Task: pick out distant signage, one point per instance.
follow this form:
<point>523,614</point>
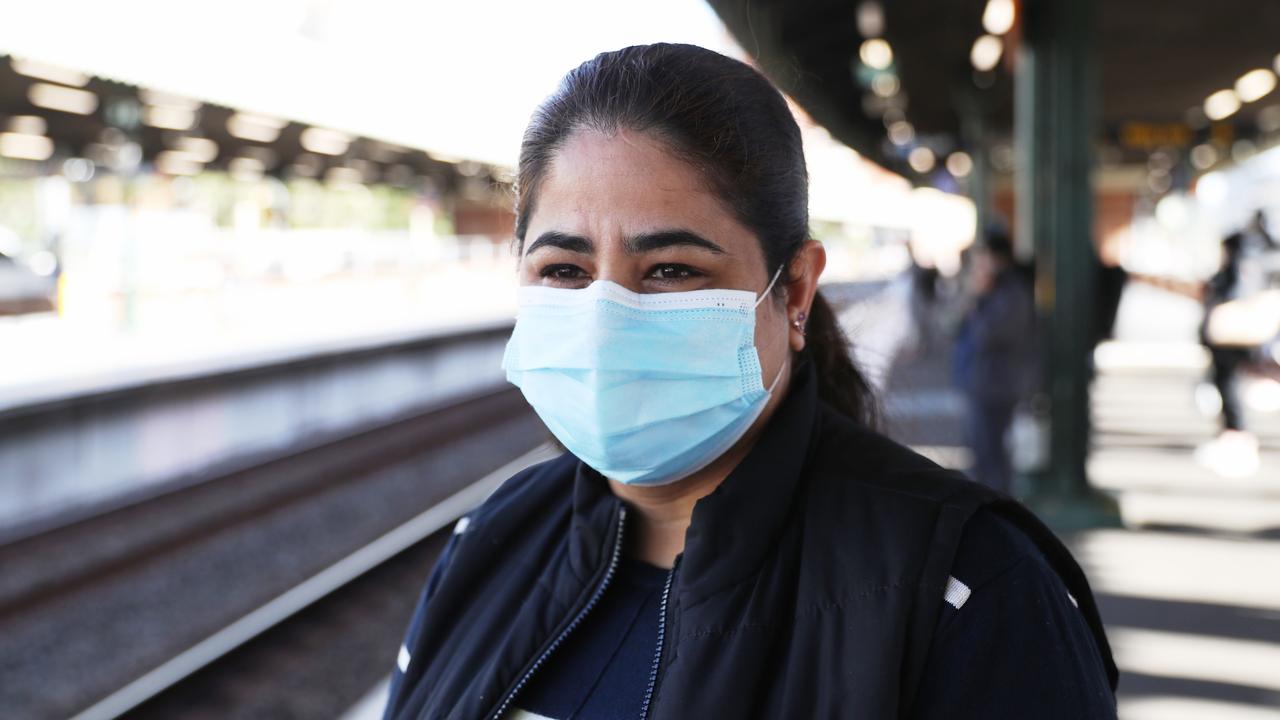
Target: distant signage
<point>1149,136</point>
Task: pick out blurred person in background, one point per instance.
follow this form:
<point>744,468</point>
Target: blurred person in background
<point>727,535</point>
<point>1257,236</point>
<point>995,360</point>
<point>1235,326</point>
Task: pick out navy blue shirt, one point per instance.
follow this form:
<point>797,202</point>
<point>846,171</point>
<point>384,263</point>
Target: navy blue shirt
<point>1009,642</point>
<point>602,670</point>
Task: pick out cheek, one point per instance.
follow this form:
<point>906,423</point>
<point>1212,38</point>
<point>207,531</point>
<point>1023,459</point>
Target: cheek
<point>771,335</point>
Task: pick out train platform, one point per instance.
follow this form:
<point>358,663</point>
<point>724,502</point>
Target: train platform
<point>116,342</point>
<point>1190,588</point>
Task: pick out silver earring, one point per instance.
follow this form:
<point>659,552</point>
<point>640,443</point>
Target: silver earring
<point>798,323</point>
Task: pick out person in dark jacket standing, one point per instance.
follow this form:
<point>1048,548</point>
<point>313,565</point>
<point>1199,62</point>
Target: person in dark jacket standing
<point>995,359</point>
<point>726,536</point>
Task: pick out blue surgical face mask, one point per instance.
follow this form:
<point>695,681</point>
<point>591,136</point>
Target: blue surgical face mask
<point>644,388</point>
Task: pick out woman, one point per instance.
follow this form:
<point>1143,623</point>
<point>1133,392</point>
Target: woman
<point>726,536</point>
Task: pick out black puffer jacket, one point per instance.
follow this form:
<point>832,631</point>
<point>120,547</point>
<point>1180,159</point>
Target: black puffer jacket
<point>809,587</point>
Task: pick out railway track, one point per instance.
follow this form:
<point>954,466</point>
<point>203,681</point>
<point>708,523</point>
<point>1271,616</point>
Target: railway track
<point>315,649</point>
<point>159,609</point>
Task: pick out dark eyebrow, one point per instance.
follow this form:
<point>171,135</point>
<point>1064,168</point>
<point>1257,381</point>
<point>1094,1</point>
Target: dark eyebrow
<point>634,245</point>
<point>648,242</point>
<point>564,241</point>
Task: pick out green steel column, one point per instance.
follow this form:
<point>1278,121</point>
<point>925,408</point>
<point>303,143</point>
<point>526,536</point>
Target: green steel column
<point>973,130</point>
<point>1055,96</point>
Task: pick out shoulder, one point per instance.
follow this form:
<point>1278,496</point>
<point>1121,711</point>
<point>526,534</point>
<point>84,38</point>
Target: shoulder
<point>1007,609</point>
<point>992,549</point>
<point>863,490</point>
<point>534,489</point>
<point>1002,564</point>
<point>852,456</point>
<point>876,485</point>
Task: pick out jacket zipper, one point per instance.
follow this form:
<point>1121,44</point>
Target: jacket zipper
<point>577,620</point>
<point>662,636</point>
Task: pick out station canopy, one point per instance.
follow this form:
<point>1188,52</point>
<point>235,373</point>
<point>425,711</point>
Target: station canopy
<point>1158,62</point>
<point>457,80</point>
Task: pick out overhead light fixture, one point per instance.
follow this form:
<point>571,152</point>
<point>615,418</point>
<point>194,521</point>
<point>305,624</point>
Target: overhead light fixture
<point>176,162</point>
<point>78,169</point>
<point>1222,104</point>
<point>986,53</point>
<point>257,128</point>
<point>1269,119</point>
<point>959,164</point>
<point>25,146</point>
<point>343,176</point>
<point>870,18</point>
<point>876,53</point>
<point>901,133</point>
<point>885,85</point>
<point>1161,162</point>
<point>168,111</point>
<point>325,142</point>
<point>160,97</point>
<point>48,71</point>
<point>246,169</point>
<point>201,150</point>
<point>1204,156</point>
<point>169,117</point>
<point>1002,157</point>
<point>998,18</point>
<point>62,99</point>
<point>921,160</point>
<point>1255,84</point>
<point>28,125</point>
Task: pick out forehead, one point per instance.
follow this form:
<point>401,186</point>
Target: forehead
<point>608,185</point>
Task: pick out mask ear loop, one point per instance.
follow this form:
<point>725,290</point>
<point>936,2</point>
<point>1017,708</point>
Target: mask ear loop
<point>778,377</point>
<point>767,289</point>
<point>764,295</point>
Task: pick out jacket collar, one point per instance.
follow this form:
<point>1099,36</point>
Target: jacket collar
<point>735,526</point>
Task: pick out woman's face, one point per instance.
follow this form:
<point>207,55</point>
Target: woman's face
<point>620,207</point>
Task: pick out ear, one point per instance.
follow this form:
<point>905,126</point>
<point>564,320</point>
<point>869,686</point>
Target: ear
<point>802,285</point>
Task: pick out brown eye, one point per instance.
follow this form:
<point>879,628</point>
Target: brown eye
<point>672,272</point>
<point>562,272</point>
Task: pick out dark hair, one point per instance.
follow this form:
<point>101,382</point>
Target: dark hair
<point>727,121</point>
<point>1000,244</point>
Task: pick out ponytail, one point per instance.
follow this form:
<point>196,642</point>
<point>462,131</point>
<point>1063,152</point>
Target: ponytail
<point>840,383</point>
